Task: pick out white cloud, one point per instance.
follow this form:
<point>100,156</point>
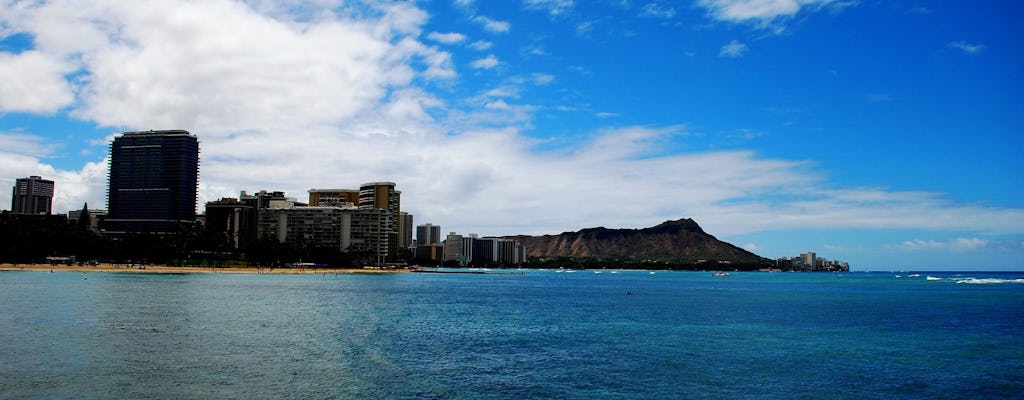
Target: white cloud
<point>955,245</point>
<point>446,38</point>
<point>966,47</point>
<point>481,45</point>
<point>542,78</point>
<point>554,7</point>
<point>492,25</point>
<point>220,66</point>
<point>733,49</point>
<point>764,12</point>
<point>583,28</point>
<point>285,103</point>
<point>499,104</point>
<point>25,144</point>
<point>655,10</point>
<point>40,86</point>
<point>486,63</point>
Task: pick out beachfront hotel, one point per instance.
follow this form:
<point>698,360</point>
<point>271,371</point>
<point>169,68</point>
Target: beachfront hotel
<point>383,196</point>
<point>153,182</point>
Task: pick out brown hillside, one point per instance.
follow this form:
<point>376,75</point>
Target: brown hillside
<point>670,241</point>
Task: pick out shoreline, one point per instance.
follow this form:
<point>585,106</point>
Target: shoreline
<point>166,269</point>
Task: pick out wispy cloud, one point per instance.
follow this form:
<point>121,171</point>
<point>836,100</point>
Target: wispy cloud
<point>26,144</point>
<point>446,38</point>
<point>492,25</point>
<point>554,7</point>
<point>583,28</point>
<point>486,63</point>
<point>970,244</point>
<point>481,45</point>
<point>765,13</point>
<point>542,78</point>
<point>733,49</point>
<point>966,47</point>
<point>655,10</point>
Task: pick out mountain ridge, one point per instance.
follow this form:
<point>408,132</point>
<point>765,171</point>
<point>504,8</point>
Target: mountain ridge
<point>680,241</point>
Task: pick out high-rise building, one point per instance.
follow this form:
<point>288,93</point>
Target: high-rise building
<point>383,196</point>
<point>485,250</point>
<point>32,195</point>
<point>153,181</point>
<point>428,234</point>
<point>511,252</point>
<point>232,218</point>
<point>333,197</point>
<point>355,231</point>
<point>262,199</point>
<point>809,259</point>
<point>405,225</point>
<point>453,248</point>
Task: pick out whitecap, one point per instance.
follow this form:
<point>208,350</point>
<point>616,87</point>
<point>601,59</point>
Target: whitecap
<point>932,278</point>
<point>988,281</point>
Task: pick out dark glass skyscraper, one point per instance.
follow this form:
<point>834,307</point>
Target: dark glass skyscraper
<point>153,180</point>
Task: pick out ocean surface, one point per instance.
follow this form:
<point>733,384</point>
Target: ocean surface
<point>502,335</point>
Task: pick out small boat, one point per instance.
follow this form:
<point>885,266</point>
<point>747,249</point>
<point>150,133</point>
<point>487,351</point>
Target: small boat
<point>720,273</point>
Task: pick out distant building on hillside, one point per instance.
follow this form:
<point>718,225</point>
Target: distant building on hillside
<point>32,196</point>
<point>153,181</point>
<point>809,261</point>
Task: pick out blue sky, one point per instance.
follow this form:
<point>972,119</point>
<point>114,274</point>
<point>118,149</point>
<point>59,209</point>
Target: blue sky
<point>878,132</point>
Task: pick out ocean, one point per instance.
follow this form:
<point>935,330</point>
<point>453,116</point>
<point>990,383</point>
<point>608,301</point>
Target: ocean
<point>511,334</point>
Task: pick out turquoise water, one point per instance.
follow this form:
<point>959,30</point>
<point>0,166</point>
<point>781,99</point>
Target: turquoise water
<point>543,334</point>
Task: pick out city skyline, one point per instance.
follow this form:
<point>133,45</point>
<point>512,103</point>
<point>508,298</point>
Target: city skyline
<point>883,134</point>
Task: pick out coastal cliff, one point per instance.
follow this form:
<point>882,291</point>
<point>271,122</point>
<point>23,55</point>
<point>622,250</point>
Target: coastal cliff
<point>679,241</point>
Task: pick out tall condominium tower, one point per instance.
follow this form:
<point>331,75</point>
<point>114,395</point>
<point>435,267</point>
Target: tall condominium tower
<point>153,181</point>
<point>383,196</point>
<point>428,234</point>
<point>32,195</point>
<point>404,230</point>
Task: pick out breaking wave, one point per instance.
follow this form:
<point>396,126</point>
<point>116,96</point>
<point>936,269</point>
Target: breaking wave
<point>987,281</point>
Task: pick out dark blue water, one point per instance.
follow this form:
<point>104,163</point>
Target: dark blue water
<point>544,334</point>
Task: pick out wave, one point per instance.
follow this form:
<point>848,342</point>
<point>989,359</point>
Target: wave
<point>932,278</point>
<point>987,281</point>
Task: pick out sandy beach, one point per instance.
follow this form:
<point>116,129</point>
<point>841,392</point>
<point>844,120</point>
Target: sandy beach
<point>164,269</point>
